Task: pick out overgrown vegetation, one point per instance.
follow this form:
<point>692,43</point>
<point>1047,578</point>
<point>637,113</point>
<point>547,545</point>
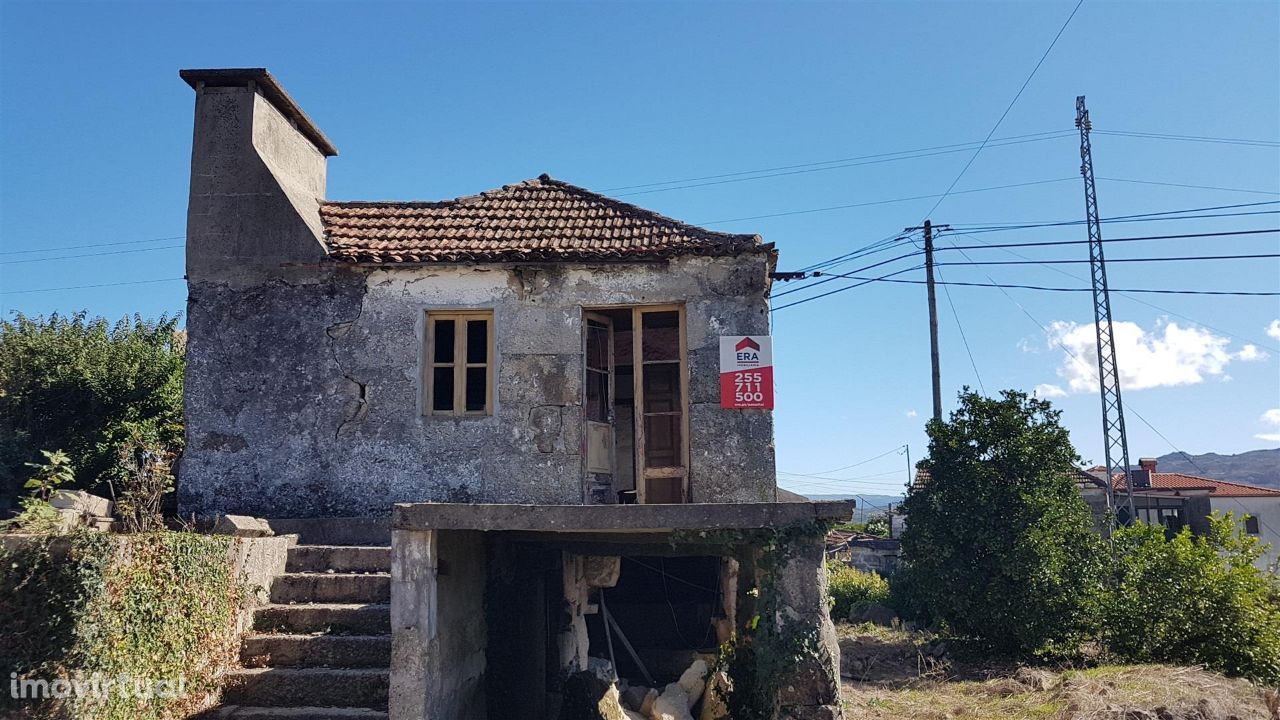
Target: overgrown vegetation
<point>852,589</point>
<point>1194,600</point>
<point>1000,552</point>
<point>999,544</point>
<point>87,388</point>
<point>153,607</point>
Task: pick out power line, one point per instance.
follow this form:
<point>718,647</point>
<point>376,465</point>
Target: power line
<point>882,202</point>
<point>1129,294</point>
<point>846,467</point>
<point>86,255</point>
<point>92,245</point>
<point>1138,217</point>
<point>1188,138</point>
<point>1071,289</point>
<point>1254,256</point>
<point>847,287</point>
<point>963,338</point>
<point>804,170</point>
<point>985,246</point>
<point>1195,187</point>
<point>1005,114</point>
<point>86,287</point>
<point>963,145</point>
<point>861,269</point>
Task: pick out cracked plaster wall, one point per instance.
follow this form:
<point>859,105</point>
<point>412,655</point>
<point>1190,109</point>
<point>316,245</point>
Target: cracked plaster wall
<point>303,397</point>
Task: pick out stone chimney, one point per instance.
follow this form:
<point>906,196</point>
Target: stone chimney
<point>257,179</point>
<point>1148,464</point>
<point>1142,477</point>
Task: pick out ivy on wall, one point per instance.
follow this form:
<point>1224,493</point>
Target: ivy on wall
<point>153,614</point>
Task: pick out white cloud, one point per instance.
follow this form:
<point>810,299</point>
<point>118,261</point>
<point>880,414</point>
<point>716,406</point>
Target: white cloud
<point>1045,390</point>
<point>1274,329</point>
<point>1270,417</point>
<point>1250,352</point>
<point>911,413</point>
<point>1166,356</point>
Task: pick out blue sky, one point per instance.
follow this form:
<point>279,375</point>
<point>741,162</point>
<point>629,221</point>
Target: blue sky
<point>428,101</point>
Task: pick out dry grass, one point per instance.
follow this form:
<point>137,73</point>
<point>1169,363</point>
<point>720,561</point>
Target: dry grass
<point>892,673</point>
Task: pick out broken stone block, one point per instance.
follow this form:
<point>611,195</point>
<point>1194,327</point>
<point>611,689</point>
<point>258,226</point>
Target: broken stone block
<point>693,681</point>
<point>672,704</point>
<point>634,696</point>
<point>646,705</point>
<point>81,502</point>
<point>713,699</point>
<point>589,697</point>
<point>601,570</point>
<point>242,526</point>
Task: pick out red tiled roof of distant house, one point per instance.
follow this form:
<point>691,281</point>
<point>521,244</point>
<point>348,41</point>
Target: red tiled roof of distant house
<point>1183,481</point>
<point>536,220</point>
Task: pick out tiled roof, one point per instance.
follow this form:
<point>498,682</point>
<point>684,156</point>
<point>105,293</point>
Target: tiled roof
<point>535,220</point>
<point>1218,488</point>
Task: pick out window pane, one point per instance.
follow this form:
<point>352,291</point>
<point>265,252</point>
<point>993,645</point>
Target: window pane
<point>442,388</point>
<point>477,378</point>
<point>661,333</point>
<point>597,346</point>
<point>477,341</point>
<point>443,352</point>
<point>597,396</point>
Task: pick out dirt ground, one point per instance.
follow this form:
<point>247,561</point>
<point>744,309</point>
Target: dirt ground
<point>890,673</point>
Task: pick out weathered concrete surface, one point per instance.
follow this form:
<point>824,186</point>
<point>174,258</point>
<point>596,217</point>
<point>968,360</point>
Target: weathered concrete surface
<point>303,394</point>
<point>812,688</point>
<point>590,518</point>
<point>439,632</point>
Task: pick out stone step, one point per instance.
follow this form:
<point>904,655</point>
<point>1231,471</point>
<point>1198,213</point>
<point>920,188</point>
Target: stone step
<point>339,559</point>
<point>329,618</point>
<point>241,712</point>
<point>331,588</point>
<point>302,687</point>
<point>342,651</point>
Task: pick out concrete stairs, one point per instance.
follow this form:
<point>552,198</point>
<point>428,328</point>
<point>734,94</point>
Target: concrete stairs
<point>322,649</point>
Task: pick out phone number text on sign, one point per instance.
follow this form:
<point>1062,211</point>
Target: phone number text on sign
<point>746,372</point>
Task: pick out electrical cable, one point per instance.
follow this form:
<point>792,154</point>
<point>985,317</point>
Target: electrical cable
<point>92,245</point>
<point>88,287</point>
<point>1244,293</point>
<point>1253,256</point>
<point>847,287</point>
<point>1012,102</point>
<point>87,255</point>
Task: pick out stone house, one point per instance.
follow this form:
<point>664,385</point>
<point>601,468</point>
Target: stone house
<point>524,385</point>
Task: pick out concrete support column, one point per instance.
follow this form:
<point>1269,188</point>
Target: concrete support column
<point>812,690</point>
<point>414,622</point>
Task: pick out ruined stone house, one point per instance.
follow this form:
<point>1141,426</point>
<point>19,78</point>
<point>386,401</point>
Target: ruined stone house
<point>530,377</point>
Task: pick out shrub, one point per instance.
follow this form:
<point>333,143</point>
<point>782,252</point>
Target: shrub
<point>160,606</point>
<point>852,589</point>
<point>1194,600</point>
<point>1000,545</point>
<point>70,382</point>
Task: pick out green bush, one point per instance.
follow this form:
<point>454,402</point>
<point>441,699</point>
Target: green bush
<point>1194,600</point>
<point>999,544</point>
<point>154,606</point>
<point>852,589</point>
<point>72,383</point>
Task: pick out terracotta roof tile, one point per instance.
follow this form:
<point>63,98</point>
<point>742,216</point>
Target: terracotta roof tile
<point>535,220</point>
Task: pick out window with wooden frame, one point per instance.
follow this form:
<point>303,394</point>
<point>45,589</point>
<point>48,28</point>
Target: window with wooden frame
<point>458,372</point>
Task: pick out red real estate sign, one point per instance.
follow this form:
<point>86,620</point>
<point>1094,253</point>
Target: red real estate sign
<point>746,371</point>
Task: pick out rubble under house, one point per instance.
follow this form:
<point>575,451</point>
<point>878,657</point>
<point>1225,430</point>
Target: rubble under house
<point>523,385</point>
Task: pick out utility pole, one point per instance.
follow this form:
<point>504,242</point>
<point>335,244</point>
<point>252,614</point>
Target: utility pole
<point>1115,440</point>
<point>933,313</point>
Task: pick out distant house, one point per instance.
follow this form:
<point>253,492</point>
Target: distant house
<point>1178,499</point>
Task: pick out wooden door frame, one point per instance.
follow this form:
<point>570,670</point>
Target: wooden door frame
<point>589,315</point>
<point>643,472</point>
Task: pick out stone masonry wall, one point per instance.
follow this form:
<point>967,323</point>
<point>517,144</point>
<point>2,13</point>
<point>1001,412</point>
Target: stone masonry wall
<point>303,395</point>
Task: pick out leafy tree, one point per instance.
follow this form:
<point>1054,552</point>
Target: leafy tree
<point>75,384</point>
<point>999,544</point>
<point>1194,600</point>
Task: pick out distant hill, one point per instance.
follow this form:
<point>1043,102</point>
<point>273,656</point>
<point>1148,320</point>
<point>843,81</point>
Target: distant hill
<point>1256,467</point>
